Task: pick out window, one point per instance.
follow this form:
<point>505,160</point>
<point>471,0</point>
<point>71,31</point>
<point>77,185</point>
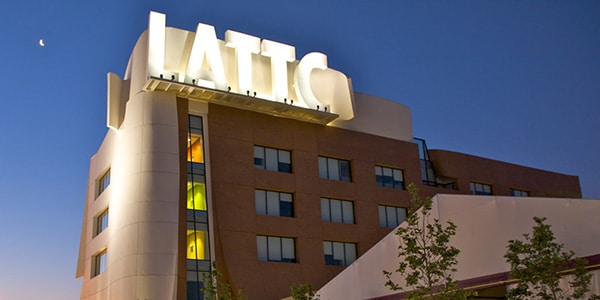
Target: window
<point>197,241</point>
<point>335,169</point>
<point>274,203</point>
<point>196,194</point>
<point>272,159</point>
<point>272,248</point>
<point>103,183</point>
<point>388,177</point>
<point>338,253</point>
<point>390,216</point>
<point>333,210</point>
<point>480,188</point>
<point>519,193</point>
<point>101,222</point>
<point>99,263</point>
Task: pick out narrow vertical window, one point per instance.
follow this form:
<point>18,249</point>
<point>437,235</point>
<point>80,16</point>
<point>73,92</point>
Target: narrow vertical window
<point>99,263</point>
<point>101,222</point>
<point>102,183</point>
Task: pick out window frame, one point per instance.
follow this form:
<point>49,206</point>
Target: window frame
<point>387,209</point>
<point>335,245</point>
<point>271,156</point>
<point>395,184</point>
<point>327,213</point>
<point>474,188</point>
<point>335,168</point>
<point>519,193</point>
<point>99,263</point>
<point>262,204</point>
<point>100,222</point>
<point>275,247</point>
<point>103,182</point>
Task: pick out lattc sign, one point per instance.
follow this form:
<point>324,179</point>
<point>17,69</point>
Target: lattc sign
<point>247,65</point>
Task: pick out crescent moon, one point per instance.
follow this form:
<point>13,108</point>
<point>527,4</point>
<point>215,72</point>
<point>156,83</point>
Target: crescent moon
<point>41,42</point>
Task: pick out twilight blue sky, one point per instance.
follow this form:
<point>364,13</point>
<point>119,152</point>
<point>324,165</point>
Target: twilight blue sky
<point>517,81</point>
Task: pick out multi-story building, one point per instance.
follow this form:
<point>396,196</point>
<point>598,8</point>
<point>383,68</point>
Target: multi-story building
<point>234,152</point>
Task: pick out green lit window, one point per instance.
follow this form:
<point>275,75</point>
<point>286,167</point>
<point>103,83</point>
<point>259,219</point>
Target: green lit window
<point>196,195</point>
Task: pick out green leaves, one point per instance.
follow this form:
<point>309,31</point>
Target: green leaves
<point>427,261</point>
<point>539,263</point>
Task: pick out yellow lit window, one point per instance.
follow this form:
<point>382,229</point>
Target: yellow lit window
<point>197,245</point>
<point>194,151</point>
<point>196,196</point>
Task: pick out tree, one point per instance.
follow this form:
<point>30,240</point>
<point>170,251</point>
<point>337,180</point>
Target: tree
<point>303,292</point>
<point>538,263</point>
<point>427,260</point>
<point>216,288</point>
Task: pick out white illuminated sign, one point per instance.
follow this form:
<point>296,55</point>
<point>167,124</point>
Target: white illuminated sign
<point>244,64</point>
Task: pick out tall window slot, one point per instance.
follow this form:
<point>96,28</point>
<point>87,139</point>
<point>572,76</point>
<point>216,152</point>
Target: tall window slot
<point>102,183</point>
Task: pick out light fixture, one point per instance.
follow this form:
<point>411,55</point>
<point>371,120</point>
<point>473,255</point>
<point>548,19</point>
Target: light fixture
<point>317,107</point>
<point>254,94</point>
<point>193,81</point>
<point>228,88</point>
<point>172,77</point>
<point>161,76</point>
<point>247,92</point>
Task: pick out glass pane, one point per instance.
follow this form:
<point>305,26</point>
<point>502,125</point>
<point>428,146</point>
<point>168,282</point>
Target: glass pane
<point>322,167</point>
<point>392,220</point>
<point>350,253</point>
<point>272,203</point>
<point>348,212</point>
<point>259,157</point>
<point>261,247</point>
<point>325,213</point>
<point>271,159</point>
<point>260,197</point>
<point>274,248</point>
<point>344,170</point>
<point>401,214</point>
<point>487,189</point>
<point>284,156</point>
<point>196,196</point>
<point>382,216</point>
<point>287,246</point>
<point>194,151</point>
<point>333,169</point>
<point>286,197</point>
<point>398,175</point>
<point>338,251</point>
<point>336,210</point>
<point>195,122</point>
<point>197,244</point>
<point>327,248</point>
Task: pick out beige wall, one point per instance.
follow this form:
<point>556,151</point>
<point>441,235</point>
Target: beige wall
<point>485,224</point>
